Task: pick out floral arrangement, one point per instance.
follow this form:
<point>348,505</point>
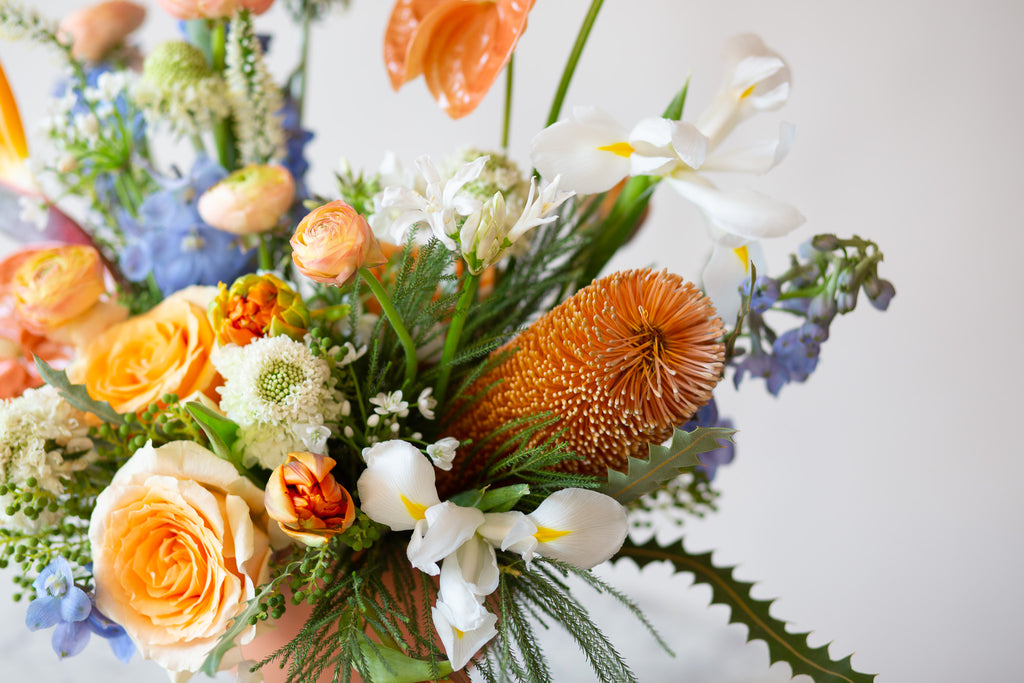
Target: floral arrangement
<point>407,410</point>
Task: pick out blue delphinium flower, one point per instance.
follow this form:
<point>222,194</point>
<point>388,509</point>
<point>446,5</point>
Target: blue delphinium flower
<point>712,460</point>
<point>59,602</point>
<point>764,365</point>
<point>172,242</point>
<point>766,292</point>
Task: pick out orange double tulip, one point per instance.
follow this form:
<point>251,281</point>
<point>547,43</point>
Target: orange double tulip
<point>459,46</point>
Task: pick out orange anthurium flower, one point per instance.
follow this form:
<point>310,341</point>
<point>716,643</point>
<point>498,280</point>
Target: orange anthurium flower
<point>13,148</point>
<point>459,46</point>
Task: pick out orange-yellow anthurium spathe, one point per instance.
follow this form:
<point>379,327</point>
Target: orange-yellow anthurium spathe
<point>459,46</point>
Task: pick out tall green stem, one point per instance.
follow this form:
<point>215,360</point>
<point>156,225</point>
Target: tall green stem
<point>396,323</point>
<point>574,57</point>
<point>451,342</point>
<point>222,133</point>
<point>508,104</point>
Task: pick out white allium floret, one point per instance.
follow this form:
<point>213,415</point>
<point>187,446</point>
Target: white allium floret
<point>276,380</point>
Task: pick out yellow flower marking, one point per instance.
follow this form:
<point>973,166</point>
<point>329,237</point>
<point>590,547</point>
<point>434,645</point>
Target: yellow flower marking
<point>546,535</point>
<point>458,633</point>
<point>742,255</point>
<point>748,92</point>
<point>622,149</point>
<point>416,511</point>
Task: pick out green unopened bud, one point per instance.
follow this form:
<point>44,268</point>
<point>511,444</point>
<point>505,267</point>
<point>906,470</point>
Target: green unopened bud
<point>175,64</point>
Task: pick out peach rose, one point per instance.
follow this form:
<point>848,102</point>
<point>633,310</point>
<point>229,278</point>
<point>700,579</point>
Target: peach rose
<point>250,200</point>
<point>304,498</point>
<point>166,350</point>
<point>211,9</point>
<point>333,242</point>
<point>52,286</point>
<point>179,544</point>
<point>94,30</point>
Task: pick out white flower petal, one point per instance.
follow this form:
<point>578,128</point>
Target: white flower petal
<point>759,158</point>
<point>460,646</point>
<point>725,271</point>
<point>467,576</point>
<point>589,151</point>
<point>444,528</point>
<point>397,487</point>
<point>745,213</point>
<point>581,527</point>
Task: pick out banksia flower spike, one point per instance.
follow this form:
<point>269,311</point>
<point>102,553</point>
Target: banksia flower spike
<point>620,364</point>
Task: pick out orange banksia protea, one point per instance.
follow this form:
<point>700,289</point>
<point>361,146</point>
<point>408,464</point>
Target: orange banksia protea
<point>620,364</point>
<point>459,46</point>
<point>257,306</point>
<point>304,498</point>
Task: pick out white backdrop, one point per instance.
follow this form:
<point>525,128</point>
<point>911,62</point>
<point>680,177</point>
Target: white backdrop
<point>881,500</point>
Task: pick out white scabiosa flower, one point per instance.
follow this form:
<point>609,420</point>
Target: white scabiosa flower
<point>276,380</point>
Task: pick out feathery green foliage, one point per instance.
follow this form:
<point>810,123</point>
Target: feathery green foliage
<point>783,646</point>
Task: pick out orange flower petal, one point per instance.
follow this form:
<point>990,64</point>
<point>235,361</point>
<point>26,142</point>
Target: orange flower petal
<point>460,46</point>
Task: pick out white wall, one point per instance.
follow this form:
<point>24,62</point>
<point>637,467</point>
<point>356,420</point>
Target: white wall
<point>881,500</point>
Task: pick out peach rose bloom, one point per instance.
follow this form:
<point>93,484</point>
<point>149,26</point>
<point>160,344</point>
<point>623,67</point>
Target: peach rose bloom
<point>250,200</point>
<point>211,9</point>
<point>166,350</point>
<point>179,544</point>
<point>333,242</point>
<point>96,29</point>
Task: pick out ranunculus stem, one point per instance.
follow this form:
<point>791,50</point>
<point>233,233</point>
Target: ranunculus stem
<point>451,342</point>
<point>396,322</point>
<point>574,57</point>
<point>266,261</point>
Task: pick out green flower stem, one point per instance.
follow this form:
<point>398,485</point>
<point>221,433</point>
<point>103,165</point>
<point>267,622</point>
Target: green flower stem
<point>297,81</point>
<point>396,322</point>
<point>508,104</point>
<point>574,58</point>
<point>451,342</point>
<point>266,261</point>
<point>222,130</point>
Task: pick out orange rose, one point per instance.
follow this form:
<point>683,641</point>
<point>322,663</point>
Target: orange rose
<point>54,285</point>
<point>460,47</point>
<point>333,242</point>
<point>166,350</point>
<point>179,544</point>
<point>303,497</point>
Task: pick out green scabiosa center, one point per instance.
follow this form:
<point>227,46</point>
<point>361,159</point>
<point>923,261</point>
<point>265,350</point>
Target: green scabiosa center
<point>278,381</point>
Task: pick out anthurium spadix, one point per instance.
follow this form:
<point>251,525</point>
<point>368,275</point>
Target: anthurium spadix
<point>580,527</point>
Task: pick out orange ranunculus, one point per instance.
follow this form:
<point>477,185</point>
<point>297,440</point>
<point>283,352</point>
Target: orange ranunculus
<point>249,201</point>
<point>179,545</point>
<point>54,285</point>
<point>257,306</point>
<point>333,242</point>
<point>95,29</point>
<point>166,350</point>
<point>211,9</point>
<point>460,46</point>
<point>304,498</point>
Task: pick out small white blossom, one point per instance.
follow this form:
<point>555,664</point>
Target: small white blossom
<point>390,404</point>
<point>442,453</point>
<point>34,211</point>
<point>426,403</point>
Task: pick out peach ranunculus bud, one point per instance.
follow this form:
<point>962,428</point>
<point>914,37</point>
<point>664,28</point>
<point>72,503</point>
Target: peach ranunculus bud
<point>96,29</point>
<point>136,362</point>
<point>179,544</point>
<point>54,285</point>
<point>257,306</point>
<point>250,200</point>
<point>211,9</point>
<point>333,242</point>
<point>303,497</point>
